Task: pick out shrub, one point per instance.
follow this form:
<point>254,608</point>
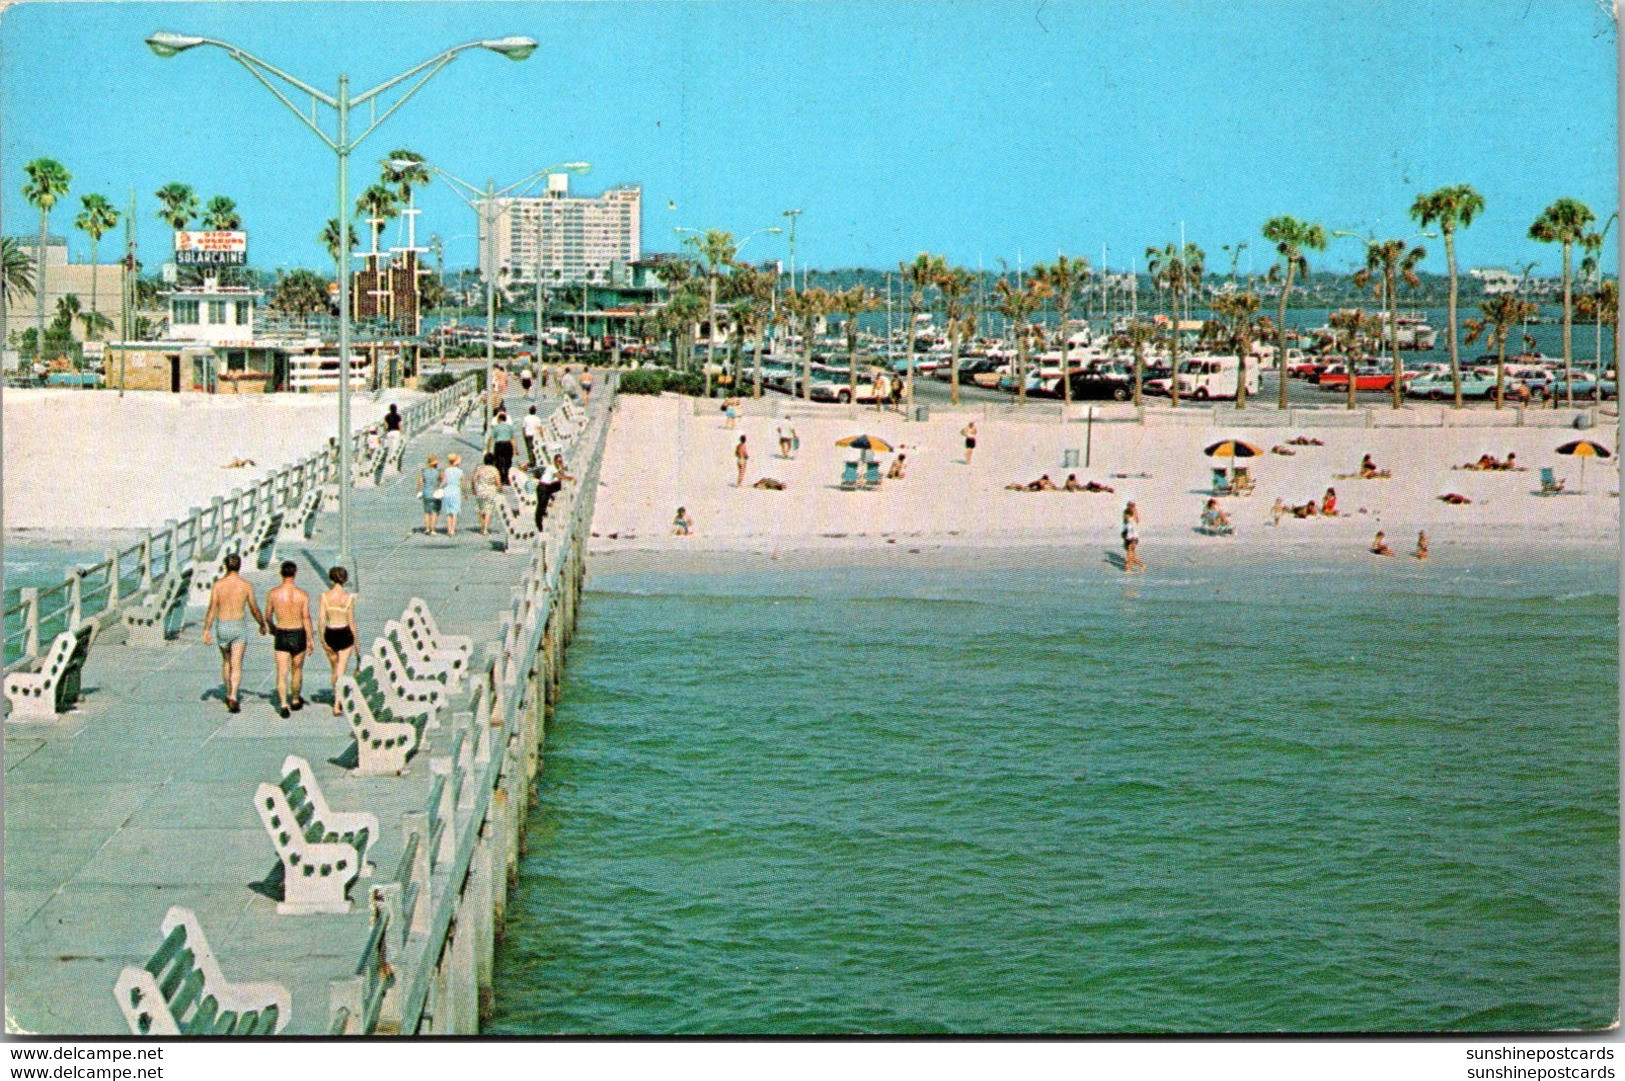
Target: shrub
<point>657,380</point>
<point>438,381</point>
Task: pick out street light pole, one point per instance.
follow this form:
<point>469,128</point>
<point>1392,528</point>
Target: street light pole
<point>793,215</point>
<point>165,44</point>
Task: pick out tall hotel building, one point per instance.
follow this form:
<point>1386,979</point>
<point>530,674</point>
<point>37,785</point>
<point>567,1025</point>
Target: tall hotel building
<point>570,238</point>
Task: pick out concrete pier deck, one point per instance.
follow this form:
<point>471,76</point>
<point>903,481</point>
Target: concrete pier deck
<point>143,797</point>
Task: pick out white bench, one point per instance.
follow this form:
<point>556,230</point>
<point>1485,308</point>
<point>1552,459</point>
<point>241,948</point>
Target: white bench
<point>161,618</point>
<point>422,646</point>
<point>300,524</point>
<point>383,741</point>
<point>180,991</point>
<point>207,572</point>
<point>259,540</point>
<point>417,612</point>
<point>519,527</point>
<point>407,689</point>
<point>322,851</point>
<point>53,689</point>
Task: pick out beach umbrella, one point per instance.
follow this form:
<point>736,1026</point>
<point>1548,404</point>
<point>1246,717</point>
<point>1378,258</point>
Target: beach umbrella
<point>865,442</point>
<point>1232,449</point>
<point>1583,449</point>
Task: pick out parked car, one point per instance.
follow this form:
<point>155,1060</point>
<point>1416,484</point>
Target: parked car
<point>1100,381</point>
<point>1585,386</point>
<point>1440,387</point>
<point>1336,377</point>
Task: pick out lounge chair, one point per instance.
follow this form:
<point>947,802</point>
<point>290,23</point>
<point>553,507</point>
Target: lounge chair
<point>1215,529</point>
<point>1241,483</point>
<point>871,475</point>
<point>1550,484</point>
<point>1221,482</point>
<point>849,476</point>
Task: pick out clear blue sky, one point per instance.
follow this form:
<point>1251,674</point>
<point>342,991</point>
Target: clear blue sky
<point>983,130</point>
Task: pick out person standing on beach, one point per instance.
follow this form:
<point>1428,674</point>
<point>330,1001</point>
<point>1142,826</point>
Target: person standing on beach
<point>335,611</point>
<point>1131,539</point>
<point>502,444</point>
<point>429,492</point>
<point>228,600</point>
<point>289,609</point>
<point>741,459</point>
<point>393,436</point>
<point>784,443</point>
<point>969,432</point>
<point>1422,544</point>
<point>586,384</point>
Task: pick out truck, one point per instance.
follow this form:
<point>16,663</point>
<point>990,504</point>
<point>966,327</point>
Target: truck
<point>1208,377</point>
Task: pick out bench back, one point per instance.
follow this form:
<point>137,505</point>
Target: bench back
<point>180,989</point>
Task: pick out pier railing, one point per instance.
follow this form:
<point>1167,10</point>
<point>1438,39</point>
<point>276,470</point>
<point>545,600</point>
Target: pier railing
<point>427,965</point>
<point>97,592</point>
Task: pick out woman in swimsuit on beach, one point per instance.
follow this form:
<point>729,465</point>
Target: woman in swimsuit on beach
<point>335,615</point>
<point>969,432</point>
<point>1131,539</point>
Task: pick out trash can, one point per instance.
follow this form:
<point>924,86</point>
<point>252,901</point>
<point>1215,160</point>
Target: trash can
<point>922,412</point>
<point>1069,458</point>
<point>1583,420</point>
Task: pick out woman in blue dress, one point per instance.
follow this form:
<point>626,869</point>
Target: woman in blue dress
<point>451,492</point>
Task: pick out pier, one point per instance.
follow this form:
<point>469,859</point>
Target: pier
<point>142,799</point>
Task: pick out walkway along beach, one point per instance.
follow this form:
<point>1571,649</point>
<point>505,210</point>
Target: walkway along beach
<point>141,801</point>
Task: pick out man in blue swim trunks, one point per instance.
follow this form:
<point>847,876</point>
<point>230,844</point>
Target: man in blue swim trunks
<point>230,601</point>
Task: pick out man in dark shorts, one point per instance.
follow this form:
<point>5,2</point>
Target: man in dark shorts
<point>289,609</point>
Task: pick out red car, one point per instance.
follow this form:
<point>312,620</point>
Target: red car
<point>1337,378</point>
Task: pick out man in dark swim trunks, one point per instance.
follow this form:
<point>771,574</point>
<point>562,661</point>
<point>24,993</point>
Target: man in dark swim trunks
<point>289,609</point>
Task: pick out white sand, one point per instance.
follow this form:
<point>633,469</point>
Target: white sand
<point>662,456</point>
<point>85,461</point>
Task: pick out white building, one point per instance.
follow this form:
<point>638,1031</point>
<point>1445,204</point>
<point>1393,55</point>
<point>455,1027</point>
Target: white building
<point>569,239</point>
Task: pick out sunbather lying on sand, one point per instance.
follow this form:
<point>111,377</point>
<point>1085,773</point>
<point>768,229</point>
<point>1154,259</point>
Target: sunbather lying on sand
<point>1369,470</point>
<point>1285,452</point>
<point>238,463</point>
<point>770,484</point>
<point>1304,441</point>
<point>1455,499</point>
<point>1072,485</point>
<point>1042,484</point>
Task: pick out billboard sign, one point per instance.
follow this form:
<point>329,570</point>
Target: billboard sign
<point>212,248</point>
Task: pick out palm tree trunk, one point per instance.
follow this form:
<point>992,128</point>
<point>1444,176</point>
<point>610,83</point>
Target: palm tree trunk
<point>1280,338</point>
<point>756,392</point>
<point>1021,364</point>
<point>953,365</point>
<point>93,312</point>
<point>1173,347</point>
<point>1568,328</point>
<point>1066,354</point>
<point>909,334</point>
<point>1501,368</point>
<point>39,292</point>
<point>806,359</point>
<point>852,361</point>
<point>1139,372</point>
<point>1393,339</point>
<point>1455,353</point>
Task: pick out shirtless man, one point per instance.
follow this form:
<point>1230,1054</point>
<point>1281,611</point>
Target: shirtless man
<point>289,607</point>
<point>227,601</point>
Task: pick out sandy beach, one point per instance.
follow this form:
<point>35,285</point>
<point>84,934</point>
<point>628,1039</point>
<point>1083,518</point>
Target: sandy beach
<point>89,462</point>
<point>662,456</point>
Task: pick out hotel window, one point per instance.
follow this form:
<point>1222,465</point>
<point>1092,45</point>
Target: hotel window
<point>217,312</point>
<point>185,311</point>
<point>243,316</point>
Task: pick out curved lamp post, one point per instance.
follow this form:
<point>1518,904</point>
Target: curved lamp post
<point>483,203</point>
<point>167,44</point>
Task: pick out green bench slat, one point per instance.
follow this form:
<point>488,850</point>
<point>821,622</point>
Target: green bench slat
<point>182,967</point>
<point>202,1022</point>
<point>191,988</point>
<point>170,947</point>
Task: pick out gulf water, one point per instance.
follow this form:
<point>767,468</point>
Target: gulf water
<point>1249,796</point>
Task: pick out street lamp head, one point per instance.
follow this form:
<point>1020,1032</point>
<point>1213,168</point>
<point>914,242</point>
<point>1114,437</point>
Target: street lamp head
<point>514,48</point>
<point>774,229</point>
<point>577,166</point>
<point>165,44</point>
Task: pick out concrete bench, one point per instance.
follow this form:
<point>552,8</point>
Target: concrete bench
<point>259,540</point>
<point>421,648</point>
<point>53,689</point>
<point>180,991</point>
<point>417,614</point>
<point>404,687</point>
<point>518,527</point>
<point>161,618</point>
<point>383,741</point>
<point>322,851</point>
<point>300,523</point>
<point>209,571</point>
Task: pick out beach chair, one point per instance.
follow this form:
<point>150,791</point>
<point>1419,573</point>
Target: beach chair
<point>1550,484</point>
<point>1241,483</point>
<point>849,476</point>
<point>871,475</point>
<point>1221,482</point>
<point>1215,529</point>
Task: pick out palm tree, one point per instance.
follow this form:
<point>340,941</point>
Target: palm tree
<point>1179,270</point>
<point>925,271</point>
<point>716,249</point>
<point>1139,333</point>
<point>407,177</point>
<point>1292,239</point>
<point>177,205</point>
<point>1063,278</point>
<point>302,292</point>
<point>850,303</point>
<point>1388,264</point>
<point>1501,314</point>
<point>95,218</point>
<point>1593,305</point>
<point>377,205</point>
<point>1564,222</point>
<point>1018,303</point>
<point>752,290</point>
<point>1350,328</point>
<point>330,240</point>
<point>17,274</point>
<point>955,284</point>
<point>808,306</point>
<point>48,181</point>
<point>221,214</point>
<point>1453,208</point>
<point>1238,310</point>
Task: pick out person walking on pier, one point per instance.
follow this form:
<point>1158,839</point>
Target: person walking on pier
<point>335,611</point>
<point>289,609</point>
<point>429,492</point>
<point>451,491</point>
<point>228,600</point>
<point>502,444</point>
<point>531,429</point>
<point>393,437</point>
<point>487,485</point>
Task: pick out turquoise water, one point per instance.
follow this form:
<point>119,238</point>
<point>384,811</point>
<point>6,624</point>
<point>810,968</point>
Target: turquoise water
<point>37,568</point>
<point>1222,798</point>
